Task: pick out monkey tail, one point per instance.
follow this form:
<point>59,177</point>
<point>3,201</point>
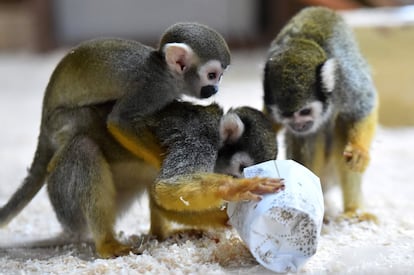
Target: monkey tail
<point>31,184</point>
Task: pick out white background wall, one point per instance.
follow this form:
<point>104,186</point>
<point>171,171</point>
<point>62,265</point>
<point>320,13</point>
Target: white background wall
<point>82,19</point>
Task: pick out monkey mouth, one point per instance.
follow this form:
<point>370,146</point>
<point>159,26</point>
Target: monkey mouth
<point>302,128</point>
<point>208,91</point>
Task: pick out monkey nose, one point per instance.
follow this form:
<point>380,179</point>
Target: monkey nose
<point>209,90</point>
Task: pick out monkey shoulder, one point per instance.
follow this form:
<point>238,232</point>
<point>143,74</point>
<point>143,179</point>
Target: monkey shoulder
<point>190,136</point>
<point>355,91</point>
<point>316,24</point>
<point>179,119</point>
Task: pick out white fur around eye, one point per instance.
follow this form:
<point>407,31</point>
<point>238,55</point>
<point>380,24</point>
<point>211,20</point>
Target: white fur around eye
<point>328,74</point>
<point>212,66</point>
<point>318,115</point>
<point>317,108</point>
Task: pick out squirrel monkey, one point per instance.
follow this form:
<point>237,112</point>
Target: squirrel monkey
<point>91,177</point>
<point>317,85</point>
<point>190,60</point>
<point>200,142</point>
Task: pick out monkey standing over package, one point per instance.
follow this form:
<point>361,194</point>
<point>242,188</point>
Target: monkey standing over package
<point>317,85</point>
<point>97,148</point>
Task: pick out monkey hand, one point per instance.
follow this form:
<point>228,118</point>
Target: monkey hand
<point>356,157</point>
<point>249,188</point>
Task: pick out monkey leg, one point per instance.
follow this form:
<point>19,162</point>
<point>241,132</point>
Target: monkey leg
<point>310,151</point>
<point>352,193</point>
<point>83,195</point>
<point>161,220</point>
<point>360,135</point>
<point>160,225</point>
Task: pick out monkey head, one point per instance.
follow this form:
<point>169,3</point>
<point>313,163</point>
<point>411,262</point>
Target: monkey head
<point>198,54</point>
<point>246,138</point>
<point>298,83</point>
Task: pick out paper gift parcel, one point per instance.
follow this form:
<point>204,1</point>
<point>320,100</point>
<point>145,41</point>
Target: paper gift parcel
<point>281,230</point>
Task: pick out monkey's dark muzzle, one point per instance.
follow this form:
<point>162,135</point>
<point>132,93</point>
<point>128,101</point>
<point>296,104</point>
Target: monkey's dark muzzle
<point>208,91</point>
<point>301,128</point>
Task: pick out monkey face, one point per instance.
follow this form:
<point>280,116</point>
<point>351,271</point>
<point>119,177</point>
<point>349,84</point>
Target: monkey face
<point>209,76</point>
<point>203,81</point>
<point>231,161</point>
<point>201,78</point>
<point>246,138</point>
<point>298,87</point>
<point>306,120</point>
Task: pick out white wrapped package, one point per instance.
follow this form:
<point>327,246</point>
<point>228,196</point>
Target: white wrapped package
<point>282,230</point>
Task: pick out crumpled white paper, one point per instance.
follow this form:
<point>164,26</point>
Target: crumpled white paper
<point>282,230</point>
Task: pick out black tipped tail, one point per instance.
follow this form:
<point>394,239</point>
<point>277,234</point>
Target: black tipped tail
<point>31,184</point>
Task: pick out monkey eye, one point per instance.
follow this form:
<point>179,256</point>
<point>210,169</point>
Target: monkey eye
<point>305,112</point>
<point>212,76</point>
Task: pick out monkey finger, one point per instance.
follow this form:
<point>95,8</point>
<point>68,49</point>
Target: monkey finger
<point>268,188</point>
<point>351,161</point>
<point>356,159</point>
<point>349,157</point>
<point>348,153</point>
<point>269,185</point>
<point>249,196</point>
<point>239,191</point>
<point>249,188</point>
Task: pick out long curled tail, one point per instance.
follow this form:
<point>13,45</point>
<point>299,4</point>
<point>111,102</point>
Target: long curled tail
<point>31,184</point>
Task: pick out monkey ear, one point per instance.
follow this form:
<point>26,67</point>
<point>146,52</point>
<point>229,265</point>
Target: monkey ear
<point>231,128</point>
<point>328,71</point>
<point>178,56</point>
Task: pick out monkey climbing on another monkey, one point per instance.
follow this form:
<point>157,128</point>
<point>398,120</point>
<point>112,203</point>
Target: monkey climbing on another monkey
<point>318,86</point>
<point>190,60</point>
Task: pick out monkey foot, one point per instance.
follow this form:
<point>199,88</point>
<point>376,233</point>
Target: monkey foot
<point>187,233</point>
<point>114,249</point>
<point>356,157</point>
<point>249,188</point>
<point>356,216</point>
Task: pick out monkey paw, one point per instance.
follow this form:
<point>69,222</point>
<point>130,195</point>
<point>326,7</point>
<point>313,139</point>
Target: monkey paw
<point>356,157</point>
<point>115,249</point>
<point>249,188</point>
<point>356,216</point>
